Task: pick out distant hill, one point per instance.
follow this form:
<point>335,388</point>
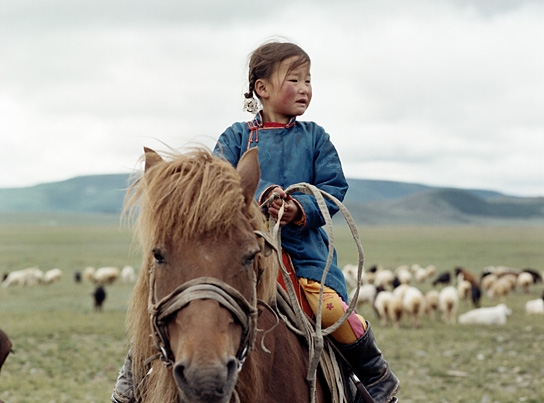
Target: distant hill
<point>367,190</point>
<point>371,202</point>
<point>436,206</point>
<point>84,194</point>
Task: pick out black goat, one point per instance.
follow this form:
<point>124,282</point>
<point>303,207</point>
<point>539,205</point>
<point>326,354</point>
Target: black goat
<point>99,295</point>
<point>475,295</point>
<point>444,278</point>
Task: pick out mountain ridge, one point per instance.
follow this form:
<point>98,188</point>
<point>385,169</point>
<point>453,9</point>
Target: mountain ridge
<point>373,202</point>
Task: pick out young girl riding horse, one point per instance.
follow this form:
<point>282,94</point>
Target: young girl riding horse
<point>292,152</point>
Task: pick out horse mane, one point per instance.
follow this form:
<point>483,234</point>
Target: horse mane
<point>197,194</point>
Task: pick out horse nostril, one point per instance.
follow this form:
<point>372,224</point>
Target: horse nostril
<point>179,374</point>
<point>232,368</point>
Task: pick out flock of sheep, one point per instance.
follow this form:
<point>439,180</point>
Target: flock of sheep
<point>108,275</point>
<point>101,277</point>
<point>396,295</point>
<point>33,276</point>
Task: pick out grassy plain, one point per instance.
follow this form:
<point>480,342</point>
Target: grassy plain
<point>66,352</point>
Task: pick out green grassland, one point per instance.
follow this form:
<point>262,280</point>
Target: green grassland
<point>66,352</point>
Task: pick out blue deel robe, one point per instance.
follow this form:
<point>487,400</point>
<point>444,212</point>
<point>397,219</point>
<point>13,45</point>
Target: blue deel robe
<point>294,153</point>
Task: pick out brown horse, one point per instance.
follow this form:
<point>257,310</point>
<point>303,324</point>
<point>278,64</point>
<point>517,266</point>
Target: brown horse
<point>204,269</point>
<point>5,347</point>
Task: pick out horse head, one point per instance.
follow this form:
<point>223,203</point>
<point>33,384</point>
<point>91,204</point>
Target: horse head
<point>197,221</point>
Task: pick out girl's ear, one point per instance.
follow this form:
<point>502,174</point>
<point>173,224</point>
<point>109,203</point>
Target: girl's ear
<point>261,88</point>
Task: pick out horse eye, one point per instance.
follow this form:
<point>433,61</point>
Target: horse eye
<point>159,258</point>
<point>250,259</point>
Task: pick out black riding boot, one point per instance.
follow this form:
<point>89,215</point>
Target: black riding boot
<point>369,366</point>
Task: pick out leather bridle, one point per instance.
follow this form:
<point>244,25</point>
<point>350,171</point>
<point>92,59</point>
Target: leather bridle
<point>242,309</point>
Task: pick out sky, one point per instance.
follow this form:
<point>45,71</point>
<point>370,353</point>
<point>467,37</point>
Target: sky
<point>445,93</point>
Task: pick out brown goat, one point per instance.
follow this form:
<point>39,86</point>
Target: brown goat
<point>466,275</point>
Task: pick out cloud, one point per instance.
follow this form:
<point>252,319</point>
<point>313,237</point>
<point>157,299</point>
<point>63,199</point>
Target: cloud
<point>445,93</point>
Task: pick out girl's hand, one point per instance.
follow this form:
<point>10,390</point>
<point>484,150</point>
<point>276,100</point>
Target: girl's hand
<point>291,209</point>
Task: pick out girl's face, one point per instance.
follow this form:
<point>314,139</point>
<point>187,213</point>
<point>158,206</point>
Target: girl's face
<point>287,93</point>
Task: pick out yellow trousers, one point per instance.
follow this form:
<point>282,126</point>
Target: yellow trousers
<point>332,309</point>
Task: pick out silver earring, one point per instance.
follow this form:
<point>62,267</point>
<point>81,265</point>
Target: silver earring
<point>251,105</point>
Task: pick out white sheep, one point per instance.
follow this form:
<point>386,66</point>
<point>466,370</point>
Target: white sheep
<point>431,303</point>
<point>413,302</point>
<point>487,281</point>
<point>14,278</point>
<point>25,277</point>
<point>486,316</point>
<point>367,294</point>
<point>401,290</point>
<point>351,272</point>
<point>381,305</point>
<point>402,267</point>
<point>463,289</point>
<point>106,275</point>
<point>535,306</point>
<point>370,274</point>
<point>403,275</point>
<point>448,301</point>
<point>525,281</point>
<point>52,276</point>
<point>501,287</point>
<point>431,270</point>
<point>510,278</point>
<point>88,273</point>
<point>421,274</point>
<point>395,310</point>
<point>128,274</point>
<point>384,278</point>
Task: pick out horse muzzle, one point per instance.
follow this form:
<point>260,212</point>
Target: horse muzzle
<point>206,384</point>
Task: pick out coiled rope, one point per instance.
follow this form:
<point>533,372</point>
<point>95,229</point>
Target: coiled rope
<point>314,334</point>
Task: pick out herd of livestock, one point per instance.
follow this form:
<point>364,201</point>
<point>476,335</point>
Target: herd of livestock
<point>394,295</point>
<point>410,292</point>
<point>33,276</point>
<point>100,277</point>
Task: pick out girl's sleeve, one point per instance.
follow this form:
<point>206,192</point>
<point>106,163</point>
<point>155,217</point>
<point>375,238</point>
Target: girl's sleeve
<point>229,147</point>
<point>328,177</point>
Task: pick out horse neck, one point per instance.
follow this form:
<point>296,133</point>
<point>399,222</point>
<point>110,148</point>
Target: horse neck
<point>264,377</point>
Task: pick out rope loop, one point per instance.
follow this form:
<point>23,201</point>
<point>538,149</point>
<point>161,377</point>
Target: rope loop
<point>300,323</point>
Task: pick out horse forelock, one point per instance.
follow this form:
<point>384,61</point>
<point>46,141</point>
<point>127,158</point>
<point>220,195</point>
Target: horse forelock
<point>189,196</point>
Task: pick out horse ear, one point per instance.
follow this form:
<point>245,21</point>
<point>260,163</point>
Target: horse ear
<point>151,158</point>
<point>250,173</point>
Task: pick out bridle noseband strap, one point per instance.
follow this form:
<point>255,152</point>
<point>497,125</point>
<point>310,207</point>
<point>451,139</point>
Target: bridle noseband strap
<point>204,288</point>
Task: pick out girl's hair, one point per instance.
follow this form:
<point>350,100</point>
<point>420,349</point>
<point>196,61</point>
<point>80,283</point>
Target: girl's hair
<point>264,60</point>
